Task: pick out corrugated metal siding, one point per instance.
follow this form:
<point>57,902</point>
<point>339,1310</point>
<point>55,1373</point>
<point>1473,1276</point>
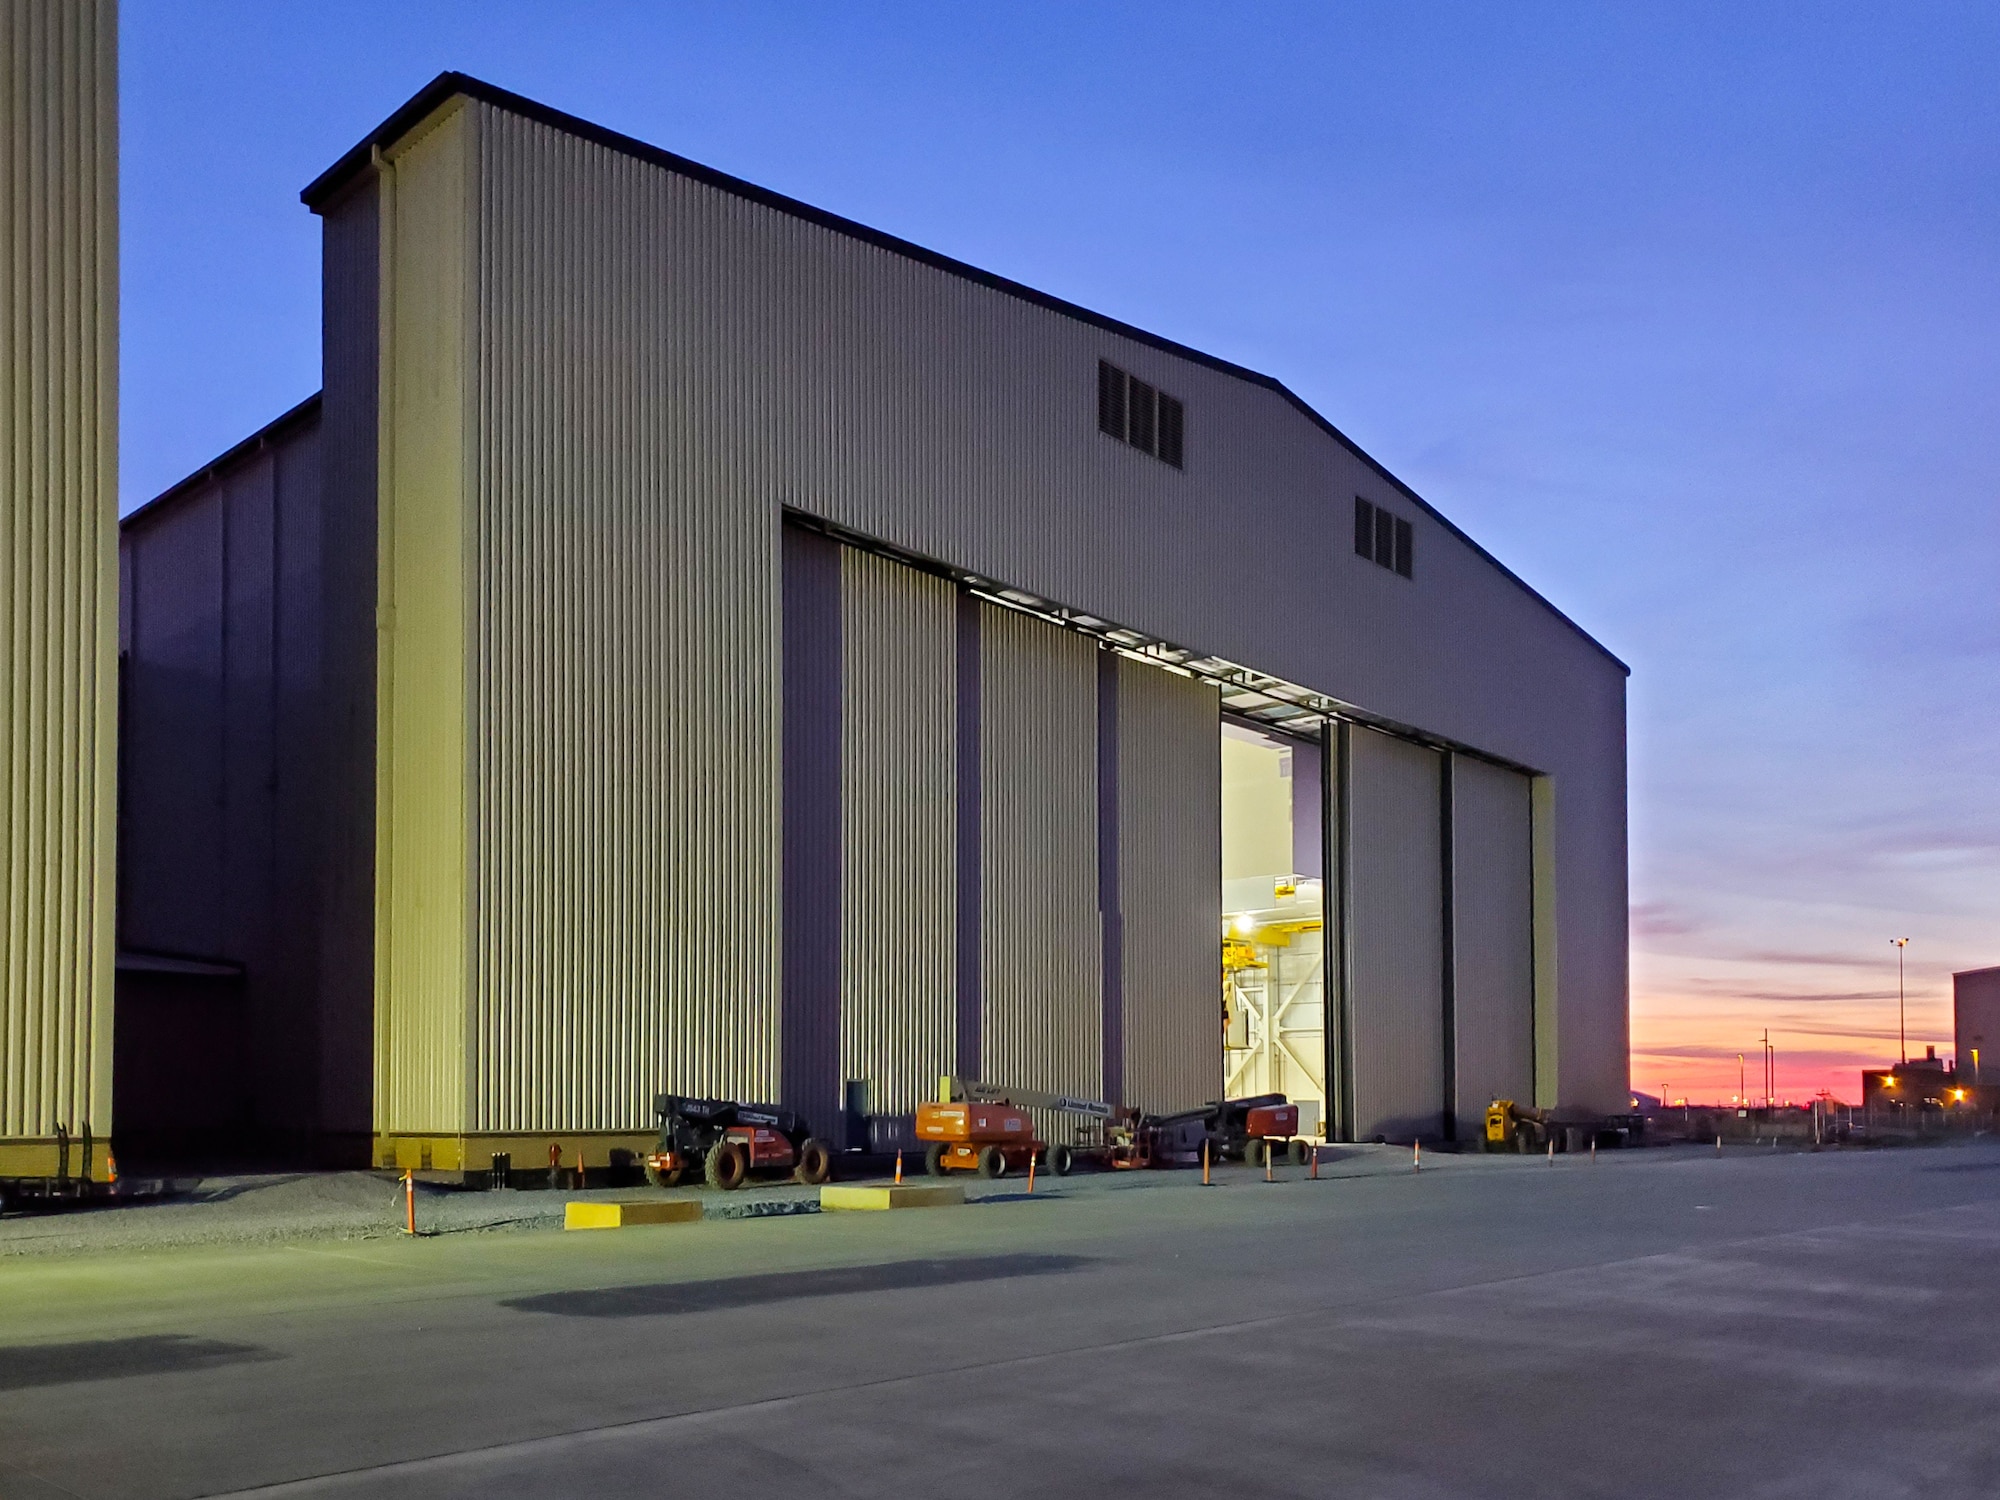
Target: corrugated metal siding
<point>802,367</point>
<point>624,655</point>
<point>170,865</point>
<point>58,528</point>
<point>1396,937</point>
<point>221,794</point>
<point>420,1028</point>
<point>1170,886</point>
<point>809,1020</point>
<point>1493,912</point>
<point>348,569</point>
<point>899,789</point>
<point>1042,954</point>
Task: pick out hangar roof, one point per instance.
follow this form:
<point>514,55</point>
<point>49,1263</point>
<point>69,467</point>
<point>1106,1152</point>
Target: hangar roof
<point>357,161</point>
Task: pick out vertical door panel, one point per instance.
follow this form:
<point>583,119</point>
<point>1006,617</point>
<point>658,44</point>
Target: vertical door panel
<point>1042,943</point>
<point>1493,910</point>
<point>1395,912</point>
<point>1169,801</point>
<point>899,807</point>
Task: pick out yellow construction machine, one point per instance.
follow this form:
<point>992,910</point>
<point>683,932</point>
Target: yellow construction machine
<point>1516,1127</point>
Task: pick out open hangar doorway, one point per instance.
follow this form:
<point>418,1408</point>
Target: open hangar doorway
<point>1274,920</point>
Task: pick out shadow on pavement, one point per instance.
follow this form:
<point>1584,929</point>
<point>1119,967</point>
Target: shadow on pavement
<point>669,1299</point>
<point>27,1366</point>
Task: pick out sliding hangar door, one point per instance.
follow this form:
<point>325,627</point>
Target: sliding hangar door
<point>999,850</point>
<point>1437,891</point>
<point>1420,1008</point>
<point>1001,853</point>
<point>1016,856</point>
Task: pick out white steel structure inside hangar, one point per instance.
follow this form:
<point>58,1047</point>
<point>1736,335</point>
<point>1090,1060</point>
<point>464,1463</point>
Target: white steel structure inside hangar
<point>734,651</point>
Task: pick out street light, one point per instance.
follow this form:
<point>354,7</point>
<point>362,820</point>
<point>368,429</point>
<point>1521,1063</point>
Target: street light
<point>1902,1036</point>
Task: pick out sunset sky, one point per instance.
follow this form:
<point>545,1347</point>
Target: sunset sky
<point>1690,313</point>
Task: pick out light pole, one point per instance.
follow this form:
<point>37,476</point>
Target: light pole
<point>1741,1083</point>
<point>1902,1035</point>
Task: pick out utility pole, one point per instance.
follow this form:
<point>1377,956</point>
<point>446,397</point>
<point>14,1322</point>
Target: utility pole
<point>1902,1034</point>
<point>1742,1098</point>
<point>1767,1067</point>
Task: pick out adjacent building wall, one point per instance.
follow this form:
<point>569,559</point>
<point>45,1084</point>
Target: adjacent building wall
<point>426,1047</point>
<point>578,692</point>
<point>224,1022</point>
<point>58,601</point>
<point>1975,1009</point>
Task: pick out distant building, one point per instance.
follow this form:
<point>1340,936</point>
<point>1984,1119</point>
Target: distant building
<point>1975,1016</point>
<point>1927,1082</point>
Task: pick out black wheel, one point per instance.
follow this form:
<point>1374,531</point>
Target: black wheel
<point>992,1162</point>
<point>667,1178</point>
<point>1253,1153</point>
<point>934,1159</point>
<point>1060,1159</point>
<point>815,1163</point>
<point>725,1166</point>
<point>1300,1151</point>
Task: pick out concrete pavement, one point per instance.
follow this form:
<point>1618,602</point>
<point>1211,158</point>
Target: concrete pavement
<point>1661,1322</point>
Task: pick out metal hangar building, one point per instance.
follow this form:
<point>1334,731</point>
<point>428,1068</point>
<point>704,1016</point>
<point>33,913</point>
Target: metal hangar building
<point>694,642</point>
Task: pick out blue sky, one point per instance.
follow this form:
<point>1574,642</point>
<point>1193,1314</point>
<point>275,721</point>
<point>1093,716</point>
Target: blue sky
<point>1688,312</point>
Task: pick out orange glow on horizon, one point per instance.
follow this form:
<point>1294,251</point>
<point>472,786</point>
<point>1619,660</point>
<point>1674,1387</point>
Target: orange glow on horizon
<point>1828,1027</point>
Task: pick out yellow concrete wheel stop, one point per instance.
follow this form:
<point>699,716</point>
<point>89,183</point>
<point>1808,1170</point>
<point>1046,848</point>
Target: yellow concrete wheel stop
<point>627,1215</point>
<point>840,1195</point>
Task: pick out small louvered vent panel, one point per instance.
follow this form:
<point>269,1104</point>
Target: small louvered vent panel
<point>1111,400</point>
<point>1384,538</point>
<point>1138,413</point>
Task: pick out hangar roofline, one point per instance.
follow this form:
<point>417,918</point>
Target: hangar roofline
<point>238,453</point>
<point>318,193</point>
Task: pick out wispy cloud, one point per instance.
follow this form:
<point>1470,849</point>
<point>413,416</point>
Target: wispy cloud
<point>1796,960</point>
<point>1663,919</point>
<point>1806,997</point>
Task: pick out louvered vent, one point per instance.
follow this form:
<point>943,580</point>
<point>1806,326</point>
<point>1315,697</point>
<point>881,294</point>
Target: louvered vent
<point>1134,412</point>
<point>1384,538</point>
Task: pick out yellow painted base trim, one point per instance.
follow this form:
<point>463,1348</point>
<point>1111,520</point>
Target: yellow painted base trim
<point>413,1152</point>
<point>625,1215</point>
<point>31,1157</point>
<point>837,1195</point>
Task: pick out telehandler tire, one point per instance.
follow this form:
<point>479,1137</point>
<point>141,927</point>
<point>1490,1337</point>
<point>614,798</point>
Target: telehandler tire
<point>815,1163</point>
<point>725,1166</point>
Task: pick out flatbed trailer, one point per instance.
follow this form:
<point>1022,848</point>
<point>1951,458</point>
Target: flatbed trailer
<point>41,1174</point>
<point>1126,1139</point>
